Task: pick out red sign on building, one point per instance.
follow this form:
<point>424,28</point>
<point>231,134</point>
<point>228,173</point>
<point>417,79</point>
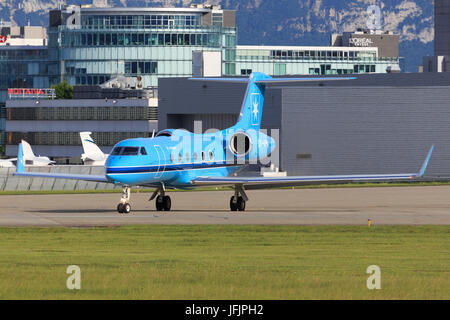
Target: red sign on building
<point>30,93</point>
<point>3,39</point>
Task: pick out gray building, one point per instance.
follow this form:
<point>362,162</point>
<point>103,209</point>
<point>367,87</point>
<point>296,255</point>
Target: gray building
<point>440,62</point>
<point>381,123</point>
<point>442,27</point>
<point>52,126</point>
<point>386,41</point>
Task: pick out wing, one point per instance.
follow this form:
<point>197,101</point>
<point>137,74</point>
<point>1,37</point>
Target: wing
<point>20,171</point>
<point>84,177</point>
<point>307,180</point>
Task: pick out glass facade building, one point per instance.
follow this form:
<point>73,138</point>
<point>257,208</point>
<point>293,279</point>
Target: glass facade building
<point>310,60</point>
<point>21,67</point>
<point>146,42</point>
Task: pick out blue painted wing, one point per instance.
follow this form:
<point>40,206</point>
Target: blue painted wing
<point>20,171</point>
<point>84,177</point>
<point>305,180</point>
<point>299,180</point>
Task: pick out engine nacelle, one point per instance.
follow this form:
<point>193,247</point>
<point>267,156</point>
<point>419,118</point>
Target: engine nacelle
<point>240,144</point>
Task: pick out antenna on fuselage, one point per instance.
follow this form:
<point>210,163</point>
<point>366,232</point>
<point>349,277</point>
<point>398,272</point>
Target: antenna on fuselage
<point>153,134</point>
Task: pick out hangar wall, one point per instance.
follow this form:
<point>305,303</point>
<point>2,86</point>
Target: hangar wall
<point>365,130</point>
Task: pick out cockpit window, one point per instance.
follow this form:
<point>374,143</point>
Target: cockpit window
<point>164,134</point>
<point>130,151</point>
<point>143,151</point>
<point>116,151</point>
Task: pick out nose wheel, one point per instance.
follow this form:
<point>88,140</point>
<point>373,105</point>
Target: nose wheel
<point>124,205</point>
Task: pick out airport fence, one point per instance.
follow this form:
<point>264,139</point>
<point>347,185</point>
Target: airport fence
<point>8,182</point>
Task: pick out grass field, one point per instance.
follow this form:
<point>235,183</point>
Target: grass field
<point>226,262</point>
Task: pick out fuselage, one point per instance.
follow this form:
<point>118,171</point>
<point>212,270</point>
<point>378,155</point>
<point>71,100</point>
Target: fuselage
<point>176,157</point>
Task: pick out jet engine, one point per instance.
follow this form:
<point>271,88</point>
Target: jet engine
<point>240,144</point>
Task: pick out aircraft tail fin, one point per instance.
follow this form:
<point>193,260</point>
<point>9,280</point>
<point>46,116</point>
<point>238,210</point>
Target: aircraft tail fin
<point>252,107</point>
<point>20,162</point>
<point>90,148</point>
<point>27,152</point>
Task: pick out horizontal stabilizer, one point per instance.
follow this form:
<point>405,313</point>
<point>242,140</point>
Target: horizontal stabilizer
<point>273,80</point>
<point>229,80</point>
<point>297,80</point>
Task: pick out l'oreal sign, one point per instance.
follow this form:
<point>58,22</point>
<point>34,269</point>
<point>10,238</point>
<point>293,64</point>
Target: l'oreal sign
<point>361,42</point>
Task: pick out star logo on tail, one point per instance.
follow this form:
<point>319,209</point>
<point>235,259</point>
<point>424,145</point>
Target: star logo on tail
<point>255,108</point>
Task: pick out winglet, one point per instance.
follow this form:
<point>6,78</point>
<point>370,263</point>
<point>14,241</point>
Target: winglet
<point>20,166</point>
<point>425,163</point>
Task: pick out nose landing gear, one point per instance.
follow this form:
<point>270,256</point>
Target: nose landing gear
<point>124,205</point>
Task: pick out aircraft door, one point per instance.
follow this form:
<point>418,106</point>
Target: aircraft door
<point>161,161</point>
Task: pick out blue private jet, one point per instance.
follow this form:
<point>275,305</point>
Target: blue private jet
<point>178,159</point>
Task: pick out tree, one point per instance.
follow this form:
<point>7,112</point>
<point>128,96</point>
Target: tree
<point>63,90</point>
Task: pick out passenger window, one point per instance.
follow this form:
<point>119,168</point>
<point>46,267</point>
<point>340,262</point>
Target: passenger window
<point>130,151</point>
<point>188,157</point>
<point>211,155</point>
<point>171,158</point>
<point>180,157</point>
<point>143,151</point>
<point>195,156</point>
<point>116,151</point>
<point>203,156</point>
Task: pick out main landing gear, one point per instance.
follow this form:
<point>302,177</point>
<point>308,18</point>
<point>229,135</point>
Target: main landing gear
<point>124,205</point>
<point>163,202</point>
<point>237,202</point>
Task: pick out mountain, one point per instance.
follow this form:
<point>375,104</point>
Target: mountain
<point>284,22</point>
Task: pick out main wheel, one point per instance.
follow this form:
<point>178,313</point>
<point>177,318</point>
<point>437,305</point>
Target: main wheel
<point>241,204</point>
<point>233,205</point>
<point>167,203</point>
<point>126,208</point>
<point>159,203</point>
<point>120,208</point>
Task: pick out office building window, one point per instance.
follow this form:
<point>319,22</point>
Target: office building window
<point>141,67</point>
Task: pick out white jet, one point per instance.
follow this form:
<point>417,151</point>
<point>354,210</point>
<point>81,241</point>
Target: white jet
<point>93,155</point>
<point>31,160</point>
<point>7,163</point>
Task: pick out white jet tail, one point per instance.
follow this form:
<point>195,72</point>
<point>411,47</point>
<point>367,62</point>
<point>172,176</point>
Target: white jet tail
<point>91,151</point>
<point>31,159</point>
<point>27,151</point>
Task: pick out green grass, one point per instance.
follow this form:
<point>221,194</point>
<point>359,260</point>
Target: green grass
<point>226,262</point>
<point>317,186</point>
